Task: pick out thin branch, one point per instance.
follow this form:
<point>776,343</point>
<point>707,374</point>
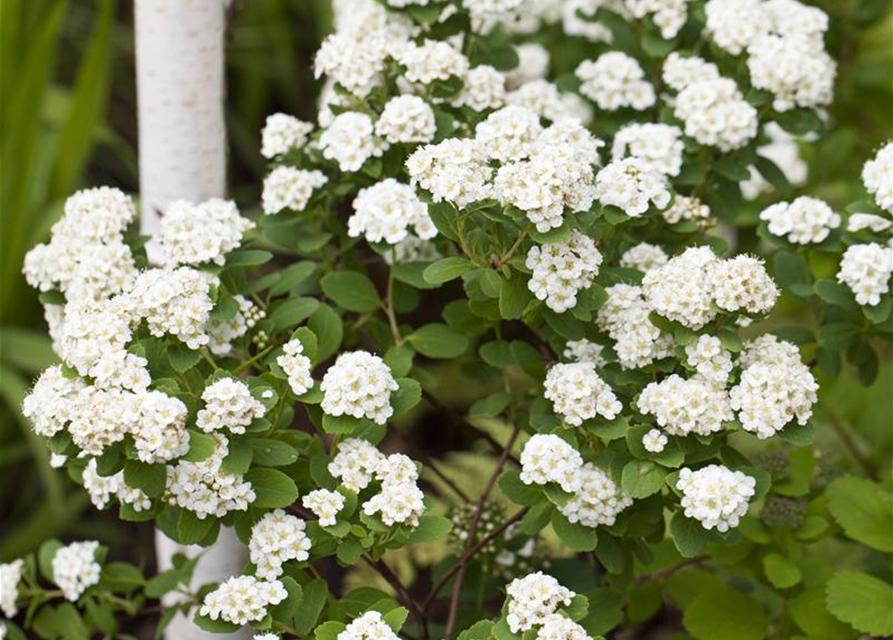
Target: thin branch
<point>847,439</point>
<point>666,572</point>
<point>430,464</point>
<point>402,592</point>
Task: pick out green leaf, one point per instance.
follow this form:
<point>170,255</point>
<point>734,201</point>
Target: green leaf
<point>781,572</point>
<point>288,607</point>
<point>248,258</point>
<point>351,290</point>
<point>792,274</point>
<point>437,340</point>
<point>269,452</point>
<point>344,424</point>
<point>273,488</point>
<point>836,294</point>
<point>430,528</point>
<point>725,614</point>
<point>182,358</point>
<point>480,630</point>
<point>642,478</point>
<point>329,330</point>
<point>492,405</point>
<point>150,478</point>
<point>395,618</point>
<point>399,360</point>
<point>349,551</point>
<point>863,510</point>
<point>315,593</point>
<point>514,296</point>
<point>162,583</point>
<point>407,396</point>
<point>291,276</point>
<point>576,536</point>
<point>214,626</point>
<point>862,601</point>
<point>191,529</point>
<point>515,490</point>
<point>446,269</point>
<point>121,577</point>
<point>688,535</point>
<point>605,611</point>
<point>238,460</point>
<point>329,630</point>
<point>837,336</point>
<point>45,556</point>
<point>293,311</point>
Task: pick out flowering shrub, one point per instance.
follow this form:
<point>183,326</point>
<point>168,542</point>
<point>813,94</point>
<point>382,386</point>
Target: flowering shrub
<point>563,245</point>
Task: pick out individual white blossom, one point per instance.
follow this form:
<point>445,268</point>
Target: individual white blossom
<point>712,362</point>
<point>290,188</point>
<point>355,463</point>
<point>282,133</point>
<point>296,366</point>
<point>159,430</point>
<point>644,257</point>
<point>658,145</point>
<point>578,393</point>
<point>877,176</point>
<point>10,575</point>
<point>350,140</point>
<point>562,269</point>
<point>193,234</point>
<point>369,626</point>
<point>805,220</point>
<point>654,441</point>
<point>242,599</point>
<point>532,599</point>
<point>386,211</point>
<point>406,118</point>
<point>276,539</point>
<point>615,80</point>
<point>484,89</point>
<point>734,24</point>
<point>632,186</point>
<point>356,66</point>
<point>688,406</point>
<point>228,404</point>
<point>75,568</point>
<point>324,504</point>
<point>50,406</point>
<point>454,170</point>
<point>585,351</point>
<point>359,384</point>
<point>548,458</point>
<point>716,496</point>
<point>598,501</point>
<point>866,270</point>
<point>681,71</point>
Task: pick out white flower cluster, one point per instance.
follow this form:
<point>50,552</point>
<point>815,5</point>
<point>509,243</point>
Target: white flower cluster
<point>624,317</point>
<point>359,384</point>
<point>86,258</point>
<point>399,499</point>
<point>712,362</point>
<point>615,80</point>
<point>204,488</point>
<point>775,387</point>
<point>174,302</point>
<point>687,208</point>
<point>222,333</point>
<point>242,599</point>
<point>430,61</point>
<point>532,599</point>
<point>668,15</point>
<point>547,101</point>
<point>578,19</point>
<point>805,220</point>
<point>687,287</point>
<point>282,133</point>
<point>584,351</point>
<point>192,234</point>
<point>369,626</point>
<point>386,210</point>
<point>658,145</point>
<point>266,636</point>
<point>406,119</point>
<point>562,269</point>
<point>10,575</point>
<point>877,176</point>
<point>654,441</point>
<point>228,405</point>
<point>644,257</point>
<point>866,270</point>
<point>549,458</point>
<point>324,504</point>
<point>578,393</point>
<point>412,249</point>
<point>102,488</point>
<point>290,188</point>
<point>296,366</point>
<point>454,170</point>
<point>275,539</point>
<point>484,89</point>
<point>508,134</point>
<point>75,568</point>
<point>598,501</point>
<point>716,496</point>
<point>712,107</point>
<point>350,140</point>
<point>688,406</point>
<point>632,185</point>
<point>558,627</point>
<point>861,221</point>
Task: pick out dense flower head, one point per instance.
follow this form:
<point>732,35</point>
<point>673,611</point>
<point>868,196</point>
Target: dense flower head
<point>578,393</point>
<point>795,68</point>
<point>369,626</point>
<point>229,405</point>
<point>742,284</point>
<point>615,80</point>
<point>430,61</point>
<point>624,317</point>
<point>193,234</point>
<point>387,210</point>
<point>532,599</point>
<point>562,269</point>
<point>680,289</point>
<point>712,362</point>
<point>282,133</point>
<point>10,575</point>
<point>356,68</point>
<point>242,599</point>
<point>289,188</point>
<point>688,406</point>
<point>805,220</point>
<point>296,366</point>
<point>276,539</point>
<point>861,221</point>
<point>174,302</point>
<point>406,118</point>
<point>454,170</point>
<point>355,463</point>
<point>533,64</point>
<point>659,145</point>
<point>866,270</point>
<point>50,405</point>
<point>508,133</point>
<point>715,495</point>
<point>484,89</point>
<point>632,185</point>
<point>159,430</point>
<point>75,568</point>
<point>578,19</point>
<point>644,257</point>
<point>877,176</point>
<point>350,140</point>
<point>734,24</point>
<point>598,501</point>
<point>324,504</point>
<point>549,458</point>
<point>687,208</point>
<point>359,384</point>
<point>397,503</point>
<point>584,351</point>
<point>413,249</point>
<point>654,441</point>
<point>558,627</point>
<point>102,488</point>
<point>668,15</point>
<point>547,101</point>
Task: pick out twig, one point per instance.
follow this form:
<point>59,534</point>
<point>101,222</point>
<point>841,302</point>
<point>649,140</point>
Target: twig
<point>850,444</point>
<point>402,592</point>
<point>429,463</point>
<point>508,254</point>
<point>666,572</point>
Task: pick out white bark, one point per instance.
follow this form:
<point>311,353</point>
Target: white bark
<point>182,155</point>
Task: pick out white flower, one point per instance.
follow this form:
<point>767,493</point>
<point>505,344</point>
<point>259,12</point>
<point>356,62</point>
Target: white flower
<point>668,15</point>
<point>430,61</point>
<point>803,221</point>
<point>632,186</point>
<point>508,134</point>
<point>687,208</point>
<point>386,210</point>
<point>296,366</point>
<point>578,393</point>
<point>679,290</point>
<point>734,24</point>
<point>562,269</point>
<point>242,599</point>
<point>266,636</point>
<point>548,458</point>
<point>484,89</point>
<point>324,504</point>
<point>10,575</point>
<point>710,360</point>
<point>598,501</point>
<point>654,441</point>
<point>533,64</point>
<point>282,133</point>
<point>369,626</point>
<point>413,249</point>
<point>50,404</point>
<point>615,80</point>
<point>625,319</point>
<point>584,351</point>
<point>356,66</point>
<point>795,68</point>
<point>75,568</point>
<point>228,405</point>
<point>877,176</point>
<point>102,488</point>
<point>742,284</point>
<point>290,188</point>
<point>222,333</point>
<point>716,496</point>
<point>643,257</point>
<point>355,463</point>
<point>174,302</point>
<point>350,140</point>
<point>558,627</point>
<point>359,384</point>
<point>193,234</point>
<point>397,503</point>
<point>454,170</point>
<point>866,269</point>
<point>861,221</point>
<point>658,145</point>
<point>686,406</point>
<point>275,539</point>
<point>532,599</point>
<point>578,19</point>
<point>406,119</point>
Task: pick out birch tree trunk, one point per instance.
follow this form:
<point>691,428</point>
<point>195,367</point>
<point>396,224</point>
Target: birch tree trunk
<point>182,155</point>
